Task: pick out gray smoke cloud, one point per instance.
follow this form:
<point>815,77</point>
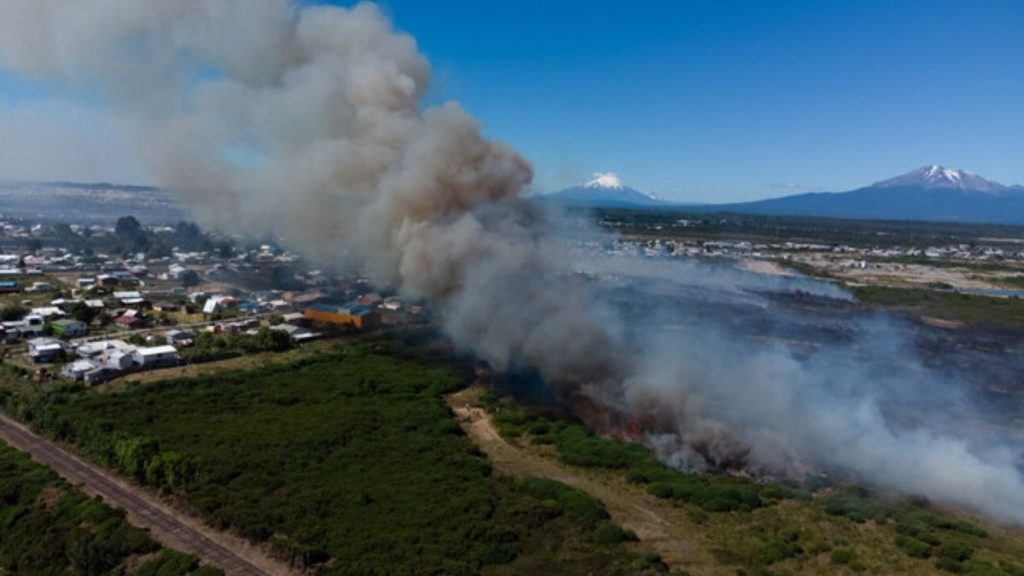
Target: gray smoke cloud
<point>269,116</point>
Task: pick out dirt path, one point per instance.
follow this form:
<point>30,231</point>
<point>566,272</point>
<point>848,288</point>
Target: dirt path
<point>143,509</point>
<point>651,520</point>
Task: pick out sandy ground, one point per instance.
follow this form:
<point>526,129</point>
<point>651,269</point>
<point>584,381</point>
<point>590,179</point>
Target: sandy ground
<point>765,267</point>
<point>655,522</point>
<point>895,274</point>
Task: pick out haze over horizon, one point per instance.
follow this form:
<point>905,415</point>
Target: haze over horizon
<point>704,101</point>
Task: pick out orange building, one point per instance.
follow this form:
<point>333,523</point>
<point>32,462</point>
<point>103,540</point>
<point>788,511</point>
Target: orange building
<point>352,314</point>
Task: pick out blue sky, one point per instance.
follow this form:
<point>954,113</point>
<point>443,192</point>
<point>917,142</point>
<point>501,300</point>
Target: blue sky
<point>716,100</point>
<point>726,99</point>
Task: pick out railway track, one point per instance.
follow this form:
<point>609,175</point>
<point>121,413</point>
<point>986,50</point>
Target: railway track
<point>142,509</point>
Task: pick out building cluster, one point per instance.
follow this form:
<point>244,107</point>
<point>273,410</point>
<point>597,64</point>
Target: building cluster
<point>748,249</point>
<point>100,361</point>
<point>100,314</point>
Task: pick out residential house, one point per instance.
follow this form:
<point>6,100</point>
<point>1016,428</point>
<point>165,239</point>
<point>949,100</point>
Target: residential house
<point>100,348</point>
<point>298,333</point>
<point>77,370</point>
<point>47,312</point>
<point>69,328</point>
<point>352,314</point>
<point>131,321</point>
<point>178,338</point>
<point>129,298</point>
<point>121,360</point>
<point>155,356</point>
<point>45,350</point>
<point>100,375</point>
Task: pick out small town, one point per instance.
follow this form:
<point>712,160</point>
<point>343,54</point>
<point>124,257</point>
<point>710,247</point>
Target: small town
<point>91,317</point>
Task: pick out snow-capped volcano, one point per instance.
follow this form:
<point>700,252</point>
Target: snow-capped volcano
<point>608,180</point>
<point>931,193</point>
<point>603,189</point>
<point>935,176</point>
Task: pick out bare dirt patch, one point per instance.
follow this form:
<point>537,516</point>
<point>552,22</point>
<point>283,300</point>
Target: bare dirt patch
<point>655,522</point>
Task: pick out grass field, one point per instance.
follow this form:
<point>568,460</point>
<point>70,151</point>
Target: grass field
<point>50,528</point>
<point>967,308</point>
<point>344,462</point>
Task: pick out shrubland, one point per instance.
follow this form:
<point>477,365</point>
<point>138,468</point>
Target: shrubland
<point>764,528</point>
<point>49,528</point>
<point>343,462</point>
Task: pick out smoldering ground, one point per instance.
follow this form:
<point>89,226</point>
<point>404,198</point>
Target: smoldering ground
<point>779,385</point>
<point>269,116</point>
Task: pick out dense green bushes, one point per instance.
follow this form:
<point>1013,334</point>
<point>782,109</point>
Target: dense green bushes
<point>210,346</point>
<point>48,528</point>
<point>344,464</point>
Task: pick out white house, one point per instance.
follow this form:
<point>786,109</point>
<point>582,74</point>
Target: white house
<point>44,350</point>
<point>32,324</point>
<point>119,360</point>
<point>100,347</point>
<point>176,271</point>
<point>129,297</point>
<point>298,333</point>
<point>214,302</point>
<point>156,356</point>
<point>76,370</point>
<point>48,311</point>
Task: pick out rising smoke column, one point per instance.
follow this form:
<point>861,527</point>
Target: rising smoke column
<point>305,122</point>
<point>269,116</point>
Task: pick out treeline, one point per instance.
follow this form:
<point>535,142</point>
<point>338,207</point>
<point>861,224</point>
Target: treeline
<point>137,456</point>
<point>209,346</point>
<point>50,528</point>
<point>130,237</point>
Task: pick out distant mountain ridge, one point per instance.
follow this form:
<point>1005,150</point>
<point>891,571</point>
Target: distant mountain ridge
<point>935,177</point>
<point>92,203</point>
<point>929,193</point>
<point>934,193</point>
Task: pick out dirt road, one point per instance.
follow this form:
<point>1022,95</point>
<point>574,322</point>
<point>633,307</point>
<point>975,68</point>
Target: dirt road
<point>651,519</point>
<point>173,529</point>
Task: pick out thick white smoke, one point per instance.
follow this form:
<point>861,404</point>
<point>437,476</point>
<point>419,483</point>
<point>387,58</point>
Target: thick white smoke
<point>269,116</point>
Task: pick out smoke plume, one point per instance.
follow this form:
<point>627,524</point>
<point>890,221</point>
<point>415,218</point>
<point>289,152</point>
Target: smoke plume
<point>269,116</point>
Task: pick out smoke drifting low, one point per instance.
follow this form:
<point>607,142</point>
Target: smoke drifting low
<point>269,116</point>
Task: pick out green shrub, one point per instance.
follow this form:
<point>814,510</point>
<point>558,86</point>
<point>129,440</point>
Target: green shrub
<point>955,550</point>
<point>842,556</point>
<point>611,533</point>
<point>913,547</point>
<point>168,563</point>
<point>576,504</point>
<point>949,565</point>
<point>578,447</point>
